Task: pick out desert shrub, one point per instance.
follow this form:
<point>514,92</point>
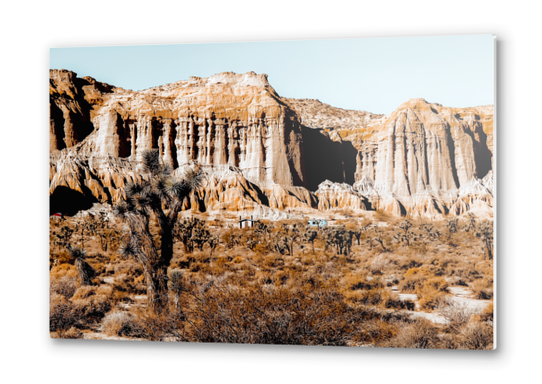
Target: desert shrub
<point>129,284</point>
<point>413,280</point>
<point>393,301</point>
<point>366,297</point>
<point>92,303</point>
<point>456,313</point>
<point>58,258</point>
<point>438,283</point>
<point>119,323</point>
<point>72,333</point>
<point>482,289</point>
<point>128,267</point>
<point>155,326</point>
<point>62,313</point>
<point>486,314</point>
<point>420,334</point>
<point>409,262</point>
<point>65,286</point>
<point>63,270</point>
<point>379,265</point>
<point>271,315</point>
<point>430,297</point>
<point>461,282</point>
<point>476,335</point>
<point>280,277</point>
<point>354,282</point>
<point>466,271</point>
<point>261,248</point>
<point>375,332</point>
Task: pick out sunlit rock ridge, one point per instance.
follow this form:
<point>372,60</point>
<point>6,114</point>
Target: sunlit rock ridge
<point>268,153</point>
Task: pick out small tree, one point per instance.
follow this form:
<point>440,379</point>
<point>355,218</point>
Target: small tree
<point>430,231</point>
<point>404,234</point>
<point>451,225</point>
<point>62,237</point>
<point>159,195</point>
<point>309,235</point>
<point>84,269</point>
<point>485,232</point>
<point>377,239</point>
<point>213,242</point>
<point>176,286</point>
<point>471,223</point>
<point>286,237</point>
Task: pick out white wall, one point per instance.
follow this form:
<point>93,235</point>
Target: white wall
<point>30,29</point>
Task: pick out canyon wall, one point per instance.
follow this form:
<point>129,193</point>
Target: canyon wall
<point>227,119</point>
<point>424,159</point>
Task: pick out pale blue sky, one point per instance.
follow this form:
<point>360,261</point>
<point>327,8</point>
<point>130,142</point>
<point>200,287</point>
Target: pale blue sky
<point>374,75</point>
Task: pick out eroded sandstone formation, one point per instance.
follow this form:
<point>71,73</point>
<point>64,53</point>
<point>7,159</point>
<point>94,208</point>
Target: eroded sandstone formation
<point>227,119</point>
<point>262,151</point>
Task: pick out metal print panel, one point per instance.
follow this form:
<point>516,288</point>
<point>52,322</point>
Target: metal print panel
<point>325,192</point>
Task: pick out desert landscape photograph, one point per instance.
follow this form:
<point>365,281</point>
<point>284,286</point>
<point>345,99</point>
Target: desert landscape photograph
<point>318,192</point>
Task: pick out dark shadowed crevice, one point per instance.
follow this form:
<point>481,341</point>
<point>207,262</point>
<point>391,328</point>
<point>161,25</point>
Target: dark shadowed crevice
<point>264,200</point>
<point>69,202</point>
<point>326,159</point>
<point>173,147</point>
<point>57,127</point>
<point>156,132</point>
<point>123,130</point>
<point>350,164</point>
<point>482,154</point>
<point>451,150</point>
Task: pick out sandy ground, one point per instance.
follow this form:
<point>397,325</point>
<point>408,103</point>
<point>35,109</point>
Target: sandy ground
<point>458,294</point>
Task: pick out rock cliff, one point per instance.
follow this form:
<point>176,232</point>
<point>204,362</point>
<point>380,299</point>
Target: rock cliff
<point>424,154</point>
<point>226,119</point>
<point>262,151</point>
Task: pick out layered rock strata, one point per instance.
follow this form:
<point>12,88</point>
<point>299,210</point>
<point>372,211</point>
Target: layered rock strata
<point>227,119</point>
<point>262,151</point>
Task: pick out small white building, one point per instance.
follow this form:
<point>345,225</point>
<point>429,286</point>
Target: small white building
<point>246,223</point>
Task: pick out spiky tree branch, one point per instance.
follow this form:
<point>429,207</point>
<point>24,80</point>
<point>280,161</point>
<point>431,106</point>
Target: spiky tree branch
<point>159,195</point>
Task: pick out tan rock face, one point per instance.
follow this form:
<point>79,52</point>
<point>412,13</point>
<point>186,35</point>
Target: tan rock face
<point>262,151</point>
<point>335,195</point>
<point>421,147</point>
<point>227,119</point>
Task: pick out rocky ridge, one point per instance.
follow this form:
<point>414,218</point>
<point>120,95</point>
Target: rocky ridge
<point>262,152</point>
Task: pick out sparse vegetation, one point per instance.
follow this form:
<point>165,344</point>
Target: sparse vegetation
<point>355,283</point>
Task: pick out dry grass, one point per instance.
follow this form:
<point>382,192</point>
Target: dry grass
<point>249,293</point>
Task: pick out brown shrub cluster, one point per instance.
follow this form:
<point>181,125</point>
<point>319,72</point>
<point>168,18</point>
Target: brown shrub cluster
<point>249,291</point>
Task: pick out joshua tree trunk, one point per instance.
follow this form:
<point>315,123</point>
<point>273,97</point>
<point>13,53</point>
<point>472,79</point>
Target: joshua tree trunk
<point>148,198</point>
<point>488,251</point>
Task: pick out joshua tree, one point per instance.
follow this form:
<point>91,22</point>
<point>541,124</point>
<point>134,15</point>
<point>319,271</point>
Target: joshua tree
<point>85,270</point>
<point>309,235</point>
<point>200,235</point>
<point>377,239</point>
<point>159,195</point>
<point>431,232</point>
<point>175,285</point>
<point>339,237</point>
<point>261,229</point>
<point>213,243</point>
<point>451,225</point>
<point>85,227</point>
<point>405,235</point>
<point>471,223</point>
<point>183,232</point>
<point>288,235</point>
<point>62,237</point>
<point>357,233</point>
<point>485,232</point>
